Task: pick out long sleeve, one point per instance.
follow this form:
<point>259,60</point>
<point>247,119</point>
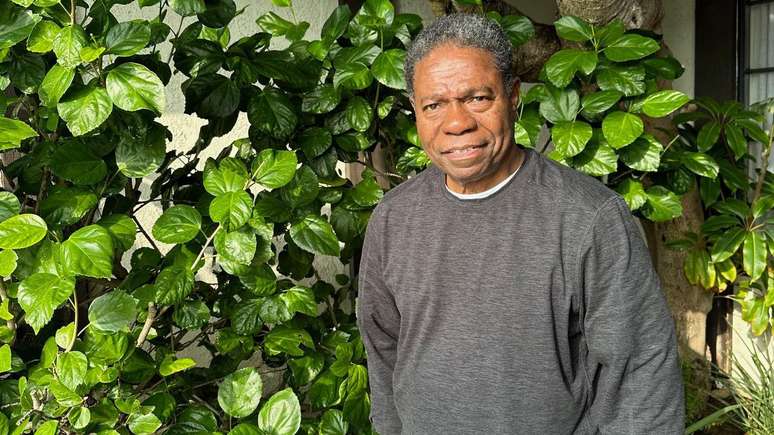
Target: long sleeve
<point>632,363</point>
<point>379,322</point>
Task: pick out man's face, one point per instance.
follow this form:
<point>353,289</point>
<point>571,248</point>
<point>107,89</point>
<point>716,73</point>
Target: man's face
<point>465,116</point>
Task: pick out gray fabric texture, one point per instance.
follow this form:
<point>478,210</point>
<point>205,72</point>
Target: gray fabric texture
<point>535,310</point>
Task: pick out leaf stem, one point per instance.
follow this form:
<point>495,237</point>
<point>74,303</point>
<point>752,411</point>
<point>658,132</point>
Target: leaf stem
<point>10,323</point>
<point>206,244</point>
<point>764,166</point>
<point>75,321</point>
<point>146,327</point>
<point>144,233</point>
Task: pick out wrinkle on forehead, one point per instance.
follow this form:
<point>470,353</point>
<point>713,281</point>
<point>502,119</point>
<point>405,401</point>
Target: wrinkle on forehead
<point>450,71</point>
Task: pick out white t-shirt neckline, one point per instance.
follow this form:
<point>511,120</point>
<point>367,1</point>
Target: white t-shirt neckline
<point>485,193</point>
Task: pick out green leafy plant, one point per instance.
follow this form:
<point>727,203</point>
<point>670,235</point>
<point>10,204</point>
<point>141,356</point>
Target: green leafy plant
<point>97,328</point>
<point>597,98</point>
<point>735,245</point>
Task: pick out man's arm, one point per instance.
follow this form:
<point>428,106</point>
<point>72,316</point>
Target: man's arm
<point>632,362</point>
<point>379,322</point>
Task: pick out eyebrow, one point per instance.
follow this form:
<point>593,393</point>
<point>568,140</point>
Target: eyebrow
<point>469,92</point>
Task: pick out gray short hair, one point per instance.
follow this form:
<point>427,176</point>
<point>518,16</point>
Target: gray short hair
<point>463,30</point>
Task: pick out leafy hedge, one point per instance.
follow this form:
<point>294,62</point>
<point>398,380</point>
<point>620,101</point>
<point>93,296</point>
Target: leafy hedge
<point>95,326</point>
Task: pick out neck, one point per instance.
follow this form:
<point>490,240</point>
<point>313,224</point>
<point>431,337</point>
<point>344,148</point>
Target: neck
<point>509,166</point>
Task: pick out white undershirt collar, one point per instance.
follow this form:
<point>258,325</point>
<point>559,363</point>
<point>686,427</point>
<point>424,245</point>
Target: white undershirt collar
<point>485,193</point>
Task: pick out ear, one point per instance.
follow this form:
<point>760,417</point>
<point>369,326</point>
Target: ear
<point>515,94</point>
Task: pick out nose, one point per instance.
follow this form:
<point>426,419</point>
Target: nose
<point>457,120</point>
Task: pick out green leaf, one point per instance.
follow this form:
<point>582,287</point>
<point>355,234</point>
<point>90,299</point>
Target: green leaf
<point>629,80</point>
<point>187,8</point>
<point>260,281</point>
<point>40,294</point>
<point>48,428</point>
<point>662,205</point>
<point>314,234</point>
<point>15,25</point>
<point>133,87</point>
<point>41,40</point>
<point>71,369</point>
<point>561,105</point>
<point>113,312</point>
<point>275,168</point>
<point>22,231</point>
<point>26,72</point>
<point>621,128</point>
<point>333,423</point>
<point>89,252</point>
<point>662,103</point>
<point>128,38</point>
<point>76,162</point>
<point>240,392</point>
<point>64,335</point>
<point>170,366</point>
<point>55,84</point>
<point>699,270</point>
<point>355,75</point>
<point>85,109</point>
<point>230,176</point>
<point>246,318</point>
<point>9,205</point>
<point>700,164</point>
<point>632,192</point>
<point>313,142</point>
<point>236,246</point>
<point>300,300</point>
<point>562,65</point>
<point>191,315</point>
<point>173,284</point>
<point>231,209</point>
<point>272,113</point>
<point>302,189</point>
<point>140,423</point>
<point>573,29</point>
<point>336,24</point>
<point>5,366</point>
<point>644,154</point>
<point>323,392</point>
<point>571,137</point>
<point>598,102</point>
<point>597,159</point>
<point>7,262</point>
<point>708,136</point>
<point>67,205</point>
<point>68,44</point>
<point>388,68</point>
<point>754,254</point>
<point>140,157</point>
<point>518,29</point>
<point>631,47</point>
<point>727,244</point>
<point>358,113</point>
<point>282,339</point>
<point>322,99</point>
<point>178,224</point>
<point>281,414</point>
<point>735,140</point>
<point>12,132</point>
<point>306,369</point>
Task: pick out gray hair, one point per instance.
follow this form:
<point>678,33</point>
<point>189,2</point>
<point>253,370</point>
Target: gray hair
<point>463,30</point>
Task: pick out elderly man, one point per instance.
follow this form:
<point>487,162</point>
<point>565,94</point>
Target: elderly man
<point>501,292</point>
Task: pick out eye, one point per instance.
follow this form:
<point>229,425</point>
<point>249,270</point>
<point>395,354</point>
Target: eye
<point>478,99</point>
<point>431,107</point>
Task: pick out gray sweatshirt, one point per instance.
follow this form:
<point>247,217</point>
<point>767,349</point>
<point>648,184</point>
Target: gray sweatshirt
<point>535,310</point>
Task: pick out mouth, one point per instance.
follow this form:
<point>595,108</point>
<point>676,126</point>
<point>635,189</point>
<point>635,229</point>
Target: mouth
<point>463,152</point>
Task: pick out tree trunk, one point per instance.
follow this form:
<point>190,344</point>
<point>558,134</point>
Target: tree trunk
<point>635,14</point>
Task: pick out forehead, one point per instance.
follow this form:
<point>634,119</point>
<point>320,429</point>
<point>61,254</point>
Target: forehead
<point>448,68</point>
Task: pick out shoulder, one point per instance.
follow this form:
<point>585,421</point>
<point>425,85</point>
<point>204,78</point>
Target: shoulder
<point>574,191</point>
<point>416,190</point>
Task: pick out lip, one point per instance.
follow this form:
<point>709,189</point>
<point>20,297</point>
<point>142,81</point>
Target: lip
<point>472,151</point>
